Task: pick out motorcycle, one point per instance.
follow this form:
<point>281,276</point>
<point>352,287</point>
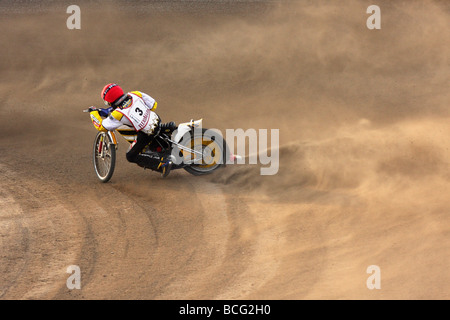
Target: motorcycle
<point>193,148</point>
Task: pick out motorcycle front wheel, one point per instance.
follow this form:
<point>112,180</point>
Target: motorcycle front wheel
<point>104,156</point>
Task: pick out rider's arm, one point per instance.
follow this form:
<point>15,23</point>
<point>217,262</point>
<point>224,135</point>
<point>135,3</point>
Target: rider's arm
<point>149,101</point>
<point>110,123</point>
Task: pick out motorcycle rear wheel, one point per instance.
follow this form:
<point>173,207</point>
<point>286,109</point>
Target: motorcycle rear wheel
<point>104,157</point>
<point>213,147</point>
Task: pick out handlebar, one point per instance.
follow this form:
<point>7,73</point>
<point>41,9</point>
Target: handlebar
<point>90,109</point>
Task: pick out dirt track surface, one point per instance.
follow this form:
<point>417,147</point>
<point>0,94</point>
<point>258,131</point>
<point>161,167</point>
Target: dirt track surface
<point>364,151</point>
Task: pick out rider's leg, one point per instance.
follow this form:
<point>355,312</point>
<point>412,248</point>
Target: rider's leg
<point>133,155</point>
<point>151,160</point>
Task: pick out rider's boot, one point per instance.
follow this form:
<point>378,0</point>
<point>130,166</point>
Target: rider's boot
<point>156,161</point>
<point>165,165</point>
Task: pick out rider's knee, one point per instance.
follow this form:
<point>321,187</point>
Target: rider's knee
<point>130,157</point>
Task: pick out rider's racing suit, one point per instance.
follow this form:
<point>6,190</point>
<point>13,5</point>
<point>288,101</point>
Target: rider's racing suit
<point>136,111</point>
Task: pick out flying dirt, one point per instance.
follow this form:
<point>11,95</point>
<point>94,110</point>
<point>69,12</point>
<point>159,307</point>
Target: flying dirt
<point>364,151</point>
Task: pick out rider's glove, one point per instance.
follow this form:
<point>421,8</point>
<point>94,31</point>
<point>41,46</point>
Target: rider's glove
<point>91,109</point>
<point>104,112</point>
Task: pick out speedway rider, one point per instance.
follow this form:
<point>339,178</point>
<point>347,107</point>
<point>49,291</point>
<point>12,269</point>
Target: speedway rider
<point>134,109</point>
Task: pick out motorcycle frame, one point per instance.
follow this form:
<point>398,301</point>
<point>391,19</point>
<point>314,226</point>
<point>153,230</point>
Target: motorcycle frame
<point>182,130</point>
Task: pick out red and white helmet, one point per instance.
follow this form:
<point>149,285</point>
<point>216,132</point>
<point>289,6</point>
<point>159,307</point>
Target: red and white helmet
<point>111,93</point>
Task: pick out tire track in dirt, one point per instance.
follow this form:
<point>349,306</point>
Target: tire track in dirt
<point>14,242</point>
<point>136,237</point>
<point>44,232</point>
<point>211,253</point>
<point>57,228</point>
<point>191,228</point>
